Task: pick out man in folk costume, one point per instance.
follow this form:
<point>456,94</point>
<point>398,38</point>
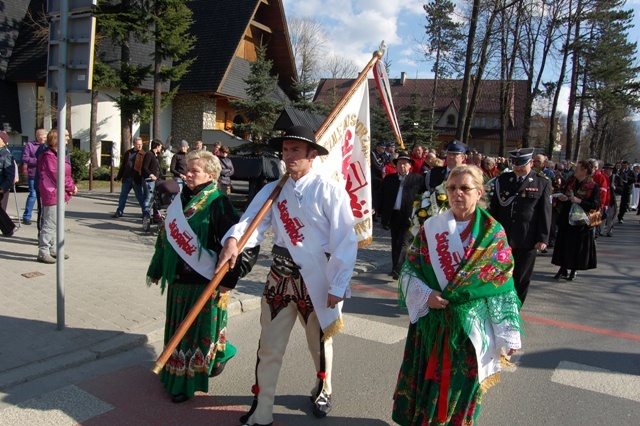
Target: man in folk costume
<point>521,202</point>
<point>314,254</point>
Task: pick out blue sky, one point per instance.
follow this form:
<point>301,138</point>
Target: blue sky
<point>356,28</point>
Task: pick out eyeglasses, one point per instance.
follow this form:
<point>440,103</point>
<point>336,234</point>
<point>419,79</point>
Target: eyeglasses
<point>463,188</point>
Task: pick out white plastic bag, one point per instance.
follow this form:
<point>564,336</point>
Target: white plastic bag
<point>577,216</point>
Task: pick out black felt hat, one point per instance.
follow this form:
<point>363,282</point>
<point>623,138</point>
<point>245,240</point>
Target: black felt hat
<point>298,133</point>
<point>608,166</point>
<point>402,155</point>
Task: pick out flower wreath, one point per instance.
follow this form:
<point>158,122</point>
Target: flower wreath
<point>428,204</point>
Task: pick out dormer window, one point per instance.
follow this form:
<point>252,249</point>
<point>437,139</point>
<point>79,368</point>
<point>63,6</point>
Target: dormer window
<point>451,120</point>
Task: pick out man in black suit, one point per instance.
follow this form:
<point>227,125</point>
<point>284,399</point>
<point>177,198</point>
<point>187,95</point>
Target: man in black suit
<point>396,196</point>
<point>521,202</point>
<point>455,157</point>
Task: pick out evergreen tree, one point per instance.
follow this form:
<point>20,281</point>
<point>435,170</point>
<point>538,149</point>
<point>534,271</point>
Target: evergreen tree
<point>381,130</point>
<point>261,110</point>
<point>124,21</point>
<point>172,19</point>
<point>415,123</point>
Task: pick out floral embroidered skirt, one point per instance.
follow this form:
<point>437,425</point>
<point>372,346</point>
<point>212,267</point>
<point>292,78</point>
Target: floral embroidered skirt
<point>204,345</point>
<point>415,401</point>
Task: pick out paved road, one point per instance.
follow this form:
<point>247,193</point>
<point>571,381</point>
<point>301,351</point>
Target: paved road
<point>580,364</point>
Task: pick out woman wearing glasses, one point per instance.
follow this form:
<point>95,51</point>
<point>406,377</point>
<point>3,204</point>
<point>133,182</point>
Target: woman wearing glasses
<point>456,284</point>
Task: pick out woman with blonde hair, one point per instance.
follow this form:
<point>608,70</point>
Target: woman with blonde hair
<point>185,269</point>
<point>463,308</point>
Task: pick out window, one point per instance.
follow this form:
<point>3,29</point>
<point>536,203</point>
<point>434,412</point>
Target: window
<point>75,143</point>
<point>105,153</point>
<point>451,120</point>
<point>483,122</point>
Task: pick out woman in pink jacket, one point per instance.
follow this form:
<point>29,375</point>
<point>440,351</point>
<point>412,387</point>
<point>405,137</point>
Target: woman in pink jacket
<point>48,187</point>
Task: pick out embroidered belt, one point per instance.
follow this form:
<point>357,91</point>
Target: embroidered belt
<point>284,264</point>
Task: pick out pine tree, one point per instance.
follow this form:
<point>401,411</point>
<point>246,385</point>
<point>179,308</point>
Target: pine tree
<point>124,21</point>
<point>415,123</point>
<point>172,19</point>
<point>381,130</point>
<point>261,110</point>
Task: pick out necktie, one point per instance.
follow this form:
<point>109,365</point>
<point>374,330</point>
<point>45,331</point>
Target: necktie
<point>520,180</point>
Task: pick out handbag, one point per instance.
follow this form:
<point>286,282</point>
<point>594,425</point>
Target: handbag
<point>595,217</point>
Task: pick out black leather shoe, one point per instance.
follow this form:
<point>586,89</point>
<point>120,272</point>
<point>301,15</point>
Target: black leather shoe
<point>395,275</point>
<point>572,276</point>
<point>179,398</point>
<point>560,274</point>
<point>217,369</point>
<point>321,405</point>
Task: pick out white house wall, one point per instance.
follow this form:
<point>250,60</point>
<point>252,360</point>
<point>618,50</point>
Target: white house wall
<point>27,98</point>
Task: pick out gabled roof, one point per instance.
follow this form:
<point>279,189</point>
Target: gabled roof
<point>28,61</point>
<point>13,13</point>
<point>449,91</point>
<point>292,116</point>
<point>223,24</point>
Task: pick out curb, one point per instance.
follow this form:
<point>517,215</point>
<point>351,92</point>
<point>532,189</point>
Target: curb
<point>125,341</point>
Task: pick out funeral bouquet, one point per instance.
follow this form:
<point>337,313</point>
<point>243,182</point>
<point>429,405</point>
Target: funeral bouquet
<point>428,204</point>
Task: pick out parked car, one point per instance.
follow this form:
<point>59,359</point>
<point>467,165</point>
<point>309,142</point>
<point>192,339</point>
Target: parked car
<point>23,178</point>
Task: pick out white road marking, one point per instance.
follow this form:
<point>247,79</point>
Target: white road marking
<point>598,380</point>
<point>69,405</point>
<point>373,330</point>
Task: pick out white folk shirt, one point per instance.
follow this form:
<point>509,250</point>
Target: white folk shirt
<point>327,209</point>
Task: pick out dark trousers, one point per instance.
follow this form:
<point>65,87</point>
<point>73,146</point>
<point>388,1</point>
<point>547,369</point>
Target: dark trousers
<point>401,237</point>
<point>524,260</point>
<point>624,204</point>
<point>6,224</point>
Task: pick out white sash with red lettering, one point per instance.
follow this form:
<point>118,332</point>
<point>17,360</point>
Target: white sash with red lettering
<point>185,242</point>
<point>445,247</point>
<point>307,252</point>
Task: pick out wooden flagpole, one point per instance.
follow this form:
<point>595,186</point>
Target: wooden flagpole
<point>213,284</point>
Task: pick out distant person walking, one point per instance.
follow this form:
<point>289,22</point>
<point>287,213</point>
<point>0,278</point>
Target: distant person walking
<point>130,166</point>
<point>224,183</point>
<point>7,180</point>
<point>48,187</point>
<point>178,167</point>
<point>30,158</point>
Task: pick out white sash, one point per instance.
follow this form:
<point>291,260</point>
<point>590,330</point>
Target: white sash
<point>306,251</point>
<point>185,242</point>
<point>445,247</point>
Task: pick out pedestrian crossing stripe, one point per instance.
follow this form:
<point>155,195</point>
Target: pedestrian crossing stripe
<point>597,380</point>
<point>373,330</point>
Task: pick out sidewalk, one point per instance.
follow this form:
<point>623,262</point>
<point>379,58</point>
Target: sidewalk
<point>108,307</point>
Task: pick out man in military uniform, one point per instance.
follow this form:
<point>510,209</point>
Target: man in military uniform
<point>455,157</point>
<point>521,202</point>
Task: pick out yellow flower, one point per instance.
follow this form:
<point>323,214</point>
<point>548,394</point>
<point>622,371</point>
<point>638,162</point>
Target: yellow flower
<point>422,213</point>
<point>416,203</point>
<point>442,197</point>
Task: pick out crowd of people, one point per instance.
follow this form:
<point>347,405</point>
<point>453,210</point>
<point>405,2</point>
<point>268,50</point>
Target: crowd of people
<point>463,277</point>
<point>142,172</point>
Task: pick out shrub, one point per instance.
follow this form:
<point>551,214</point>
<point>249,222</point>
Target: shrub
<point>103,173</point>
<point>79,164</point>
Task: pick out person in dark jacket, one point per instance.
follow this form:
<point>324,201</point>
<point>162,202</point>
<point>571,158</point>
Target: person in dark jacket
<point>151,173</point>
<point>397,193</point>
<point>31,160</point>
<point>455,155</point>
<point>521,202</point>
<point>575,248</point>
<point>7,180</point>
<point>178,167</point>
<point>224,182</point>
<point>131,161</point>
